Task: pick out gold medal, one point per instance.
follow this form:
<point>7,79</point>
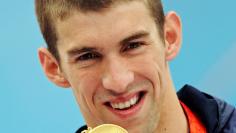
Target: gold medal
<point>106,128</point>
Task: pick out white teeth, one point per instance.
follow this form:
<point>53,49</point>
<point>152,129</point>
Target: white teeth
<point>127,104</point>
<point>123,105</point>
<point>133,100</point>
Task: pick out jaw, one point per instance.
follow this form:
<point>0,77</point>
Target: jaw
<point>135,118</point>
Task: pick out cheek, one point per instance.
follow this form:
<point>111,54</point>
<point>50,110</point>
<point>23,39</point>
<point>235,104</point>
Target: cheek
<point>152,68</point>
<point>84,85</point>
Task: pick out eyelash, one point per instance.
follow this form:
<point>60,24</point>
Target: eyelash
<point>132,45</point>
<point>88,56</point>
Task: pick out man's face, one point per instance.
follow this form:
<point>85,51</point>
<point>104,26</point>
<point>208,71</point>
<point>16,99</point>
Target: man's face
<point>115,63</point>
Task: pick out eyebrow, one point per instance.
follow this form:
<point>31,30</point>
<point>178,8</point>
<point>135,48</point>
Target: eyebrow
<point>136,35</point>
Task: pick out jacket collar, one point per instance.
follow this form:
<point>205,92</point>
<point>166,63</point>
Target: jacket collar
<point>204,105</point>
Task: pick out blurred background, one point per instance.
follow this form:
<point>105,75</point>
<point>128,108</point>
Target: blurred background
<point>29,103</point>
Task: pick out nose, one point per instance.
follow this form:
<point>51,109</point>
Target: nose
<point>117,76</point>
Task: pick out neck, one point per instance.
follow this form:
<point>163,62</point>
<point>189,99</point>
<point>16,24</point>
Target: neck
<point>172,117</point>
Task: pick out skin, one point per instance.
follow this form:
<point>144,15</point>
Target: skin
<point>124,56</point>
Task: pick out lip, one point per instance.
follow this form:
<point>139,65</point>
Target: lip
<point>123,114</point>
<point>123,98</point>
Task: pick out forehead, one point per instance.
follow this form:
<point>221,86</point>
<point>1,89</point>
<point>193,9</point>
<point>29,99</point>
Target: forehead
<point>109,25</point>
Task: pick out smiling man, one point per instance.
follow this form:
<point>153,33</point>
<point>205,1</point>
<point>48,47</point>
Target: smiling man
<point>114,55</point>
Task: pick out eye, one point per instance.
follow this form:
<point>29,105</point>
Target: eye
<point>132,45</point>
<point>88,56</point>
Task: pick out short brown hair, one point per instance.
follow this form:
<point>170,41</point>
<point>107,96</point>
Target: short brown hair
<point>48,11</point>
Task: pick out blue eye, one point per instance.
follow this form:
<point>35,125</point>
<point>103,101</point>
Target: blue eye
<point>88,56</point>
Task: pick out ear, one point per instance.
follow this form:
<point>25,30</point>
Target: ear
<point>172,35</point>
<point>51,68</point>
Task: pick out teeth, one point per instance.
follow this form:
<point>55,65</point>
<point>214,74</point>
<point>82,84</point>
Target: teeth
<point>121,105</point>
<point>126,104</point>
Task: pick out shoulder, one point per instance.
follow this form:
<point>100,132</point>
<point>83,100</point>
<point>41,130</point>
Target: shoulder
<point>216,114</point>
<point>227,117</point>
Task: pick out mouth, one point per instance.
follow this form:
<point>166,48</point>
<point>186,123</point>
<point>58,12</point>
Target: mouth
<point>126,106</point>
